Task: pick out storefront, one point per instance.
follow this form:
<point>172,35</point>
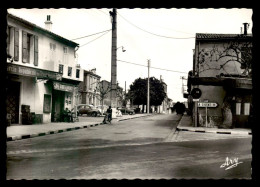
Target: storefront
<point>27,88</point>
<point>63,97</point>
<point>233,97</point>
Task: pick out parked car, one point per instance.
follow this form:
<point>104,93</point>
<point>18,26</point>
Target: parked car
<point>127,111</point>
<point>99,107</point>
<point>90,110</point>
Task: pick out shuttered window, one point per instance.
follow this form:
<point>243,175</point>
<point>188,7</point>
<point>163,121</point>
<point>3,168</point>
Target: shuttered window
<point>25,53</point>
<point>36,50</point>
<point>16,44</point>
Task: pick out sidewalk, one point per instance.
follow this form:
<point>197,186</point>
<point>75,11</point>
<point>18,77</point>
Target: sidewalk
<point>185,124</point>
<point>18,132</point>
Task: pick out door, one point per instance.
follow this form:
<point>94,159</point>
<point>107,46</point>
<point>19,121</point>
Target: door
<point>12,101</point>
<point>57,105</point>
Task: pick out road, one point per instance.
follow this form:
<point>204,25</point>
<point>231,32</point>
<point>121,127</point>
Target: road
<point>128,149</point>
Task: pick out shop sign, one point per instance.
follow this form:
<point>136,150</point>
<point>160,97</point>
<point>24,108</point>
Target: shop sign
<point>206,104</point>
<point>63,87</point>
<point>32,72</point>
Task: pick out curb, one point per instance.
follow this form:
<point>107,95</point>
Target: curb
<point>216,132</point>
<point>26,136</point>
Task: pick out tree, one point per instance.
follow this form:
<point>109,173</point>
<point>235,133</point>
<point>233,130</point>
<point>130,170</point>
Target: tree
<point>138,90</point>
<point>232,52</point>
<point>102,91</point>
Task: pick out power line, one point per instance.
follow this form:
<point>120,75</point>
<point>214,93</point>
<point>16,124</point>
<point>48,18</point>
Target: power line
<point>152,67</point>
<point>153,33</point>
<point>94,39</point>
<point>103,12</point>
<point>91,34</point>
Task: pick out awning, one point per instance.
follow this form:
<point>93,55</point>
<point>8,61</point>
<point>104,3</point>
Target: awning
<point>33,72</point>
<point>63,86</point>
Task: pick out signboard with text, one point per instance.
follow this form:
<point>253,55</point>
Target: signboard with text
<point>63,87</point>
<point>33,72</point>
<point>206,104</point>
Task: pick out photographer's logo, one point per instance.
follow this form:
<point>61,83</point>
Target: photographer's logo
<point>230,163</point>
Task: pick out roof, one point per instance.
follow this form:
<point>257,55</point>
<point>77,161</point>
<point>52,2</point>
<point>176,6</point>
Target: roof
<point>212,36</point>
<point>91,73</point>
<point>40,29</point>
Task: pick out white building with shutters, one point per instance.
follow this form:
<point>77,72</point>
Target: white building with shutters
<point>42,72</point>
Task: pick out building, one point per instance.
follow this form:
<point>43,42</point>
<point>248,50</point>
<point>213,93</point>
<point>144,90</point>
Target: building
<point>42,74</point>
<point>88,89</point>
<point>105,88</point>
<point>220,84</point>
<point>164,107</point>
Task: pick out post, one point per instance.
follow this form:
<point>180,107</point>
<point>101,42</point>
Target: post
<point>125,97</point>
<point>196,114</point>
<point>148,89</point>
<point>113,60</point>
<point>206,117</point>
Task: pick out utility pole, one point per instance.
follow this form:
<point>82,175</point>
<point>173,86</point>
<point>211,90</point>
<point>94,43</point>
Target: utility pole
<point>148,89</point>
<point>113,59</point>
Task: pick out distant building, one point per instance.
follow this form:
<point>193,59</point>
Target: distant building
<point>89,94</point>
<point>222,73</point>
<point>42,74</point>
<point>106,87</point>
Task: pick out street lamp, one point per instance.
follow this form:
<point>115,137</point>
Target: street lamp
<point>123,50</point>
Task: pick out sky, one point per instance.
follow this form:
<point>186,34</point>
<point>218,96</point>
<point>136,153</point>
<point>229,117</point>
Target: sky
<point>166,37</point>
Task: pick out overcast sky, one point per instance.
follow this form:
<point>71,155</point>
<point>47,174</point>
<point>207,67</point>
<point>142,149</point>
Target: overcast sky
<point>165,36</point>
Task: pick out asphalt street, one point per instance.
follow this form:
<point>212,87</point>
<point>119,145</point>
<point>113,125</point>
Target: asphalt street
<point>128,150</point>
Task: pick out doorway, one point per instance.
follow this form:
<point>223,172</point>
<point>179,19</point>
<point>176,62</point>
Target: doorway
<point>12,101</point>
<point>57,105</point>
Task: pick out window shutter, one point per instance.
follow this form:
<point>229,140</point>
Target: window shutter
<point>25,53</point>
<point>36,50</point>
<point>16,44</point>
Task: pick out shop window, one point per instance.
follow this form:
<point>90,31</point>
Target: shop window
<point>242,108</point>
<point>61,68</point>
<point>47,103</point>
<point>69,71</point>
<point>238,108</point>
<point>77,73</point>
<point>246,108</point>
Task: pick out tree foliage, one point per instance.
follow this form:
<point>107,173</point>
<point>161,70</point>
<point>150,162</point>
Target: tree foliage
<point>231,52</point>
<point>138,91</point>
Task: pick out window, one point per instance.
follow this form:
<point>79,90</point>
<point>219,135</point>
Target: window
<point>36,50</point>
<point>77,73</point>
<point>13,42</point>
<point>69,71</point>
<point>52,47</point>
<point>16,44</point>
<point>65,50</point>
<point>29,48</point>
<point>61,68</point>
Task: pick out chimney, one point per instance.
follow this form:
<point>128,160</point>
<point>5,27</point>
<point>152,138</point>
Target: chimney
<point>245,28</point>
<point>48,23</point>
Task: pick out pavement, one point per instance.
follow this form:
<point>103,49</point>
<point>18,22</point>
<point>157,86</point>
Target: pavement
<point>19,132</point>
<point>185,124</point>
